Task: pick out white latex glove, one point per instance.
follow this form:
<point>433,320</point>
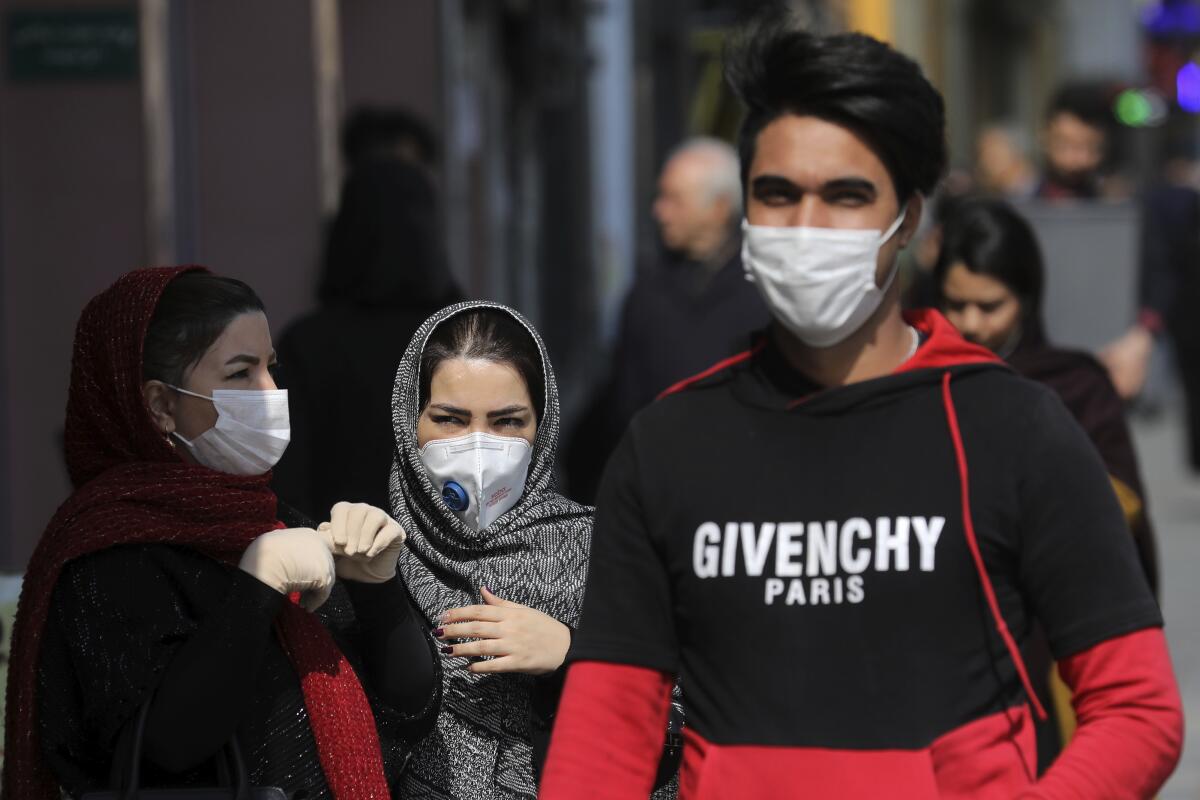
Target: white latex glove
<point>364,540</point>
<point>292,560</point>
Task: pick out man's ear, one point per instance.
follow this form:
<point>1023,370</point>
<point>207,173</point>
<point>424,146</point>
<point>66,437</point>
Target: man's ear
<point>912,219</point>
<point>160,399</point>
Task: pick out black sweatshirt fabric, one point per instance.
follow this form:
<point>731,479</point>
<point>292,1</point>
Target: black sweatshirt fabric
<point>200,634</point>
<point>754,522</point>
<point>1086,390</point>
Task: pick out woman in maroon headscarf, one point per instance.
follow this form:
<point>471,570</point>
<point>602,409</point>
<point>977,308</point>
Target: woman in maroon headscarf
<point>170,580</point>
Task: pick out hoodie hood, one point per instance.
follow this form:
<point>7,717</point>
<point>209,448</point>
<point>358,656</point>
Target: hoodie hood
<point>764,378</point>
<point>943,347</point>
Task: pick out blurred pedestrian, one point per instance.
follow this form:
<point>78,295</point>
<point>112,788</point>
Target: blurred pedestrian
<point>1002,164</point>
<point>1169,293</point>
<point>991,280</point>
<point>385,271</point>
<point>683,314</point>
<point>372,131</point>
<point>843,537</point>
<point>1075,142</point>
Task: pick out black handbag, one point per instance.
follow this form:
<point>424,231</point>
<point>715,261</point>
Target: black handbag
<point>672,753</point>
<point>231,769</point>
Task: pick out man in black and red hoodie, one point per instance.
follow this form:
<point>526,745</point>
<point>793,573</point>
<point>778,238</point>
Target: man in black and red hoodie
<point>840,539</point>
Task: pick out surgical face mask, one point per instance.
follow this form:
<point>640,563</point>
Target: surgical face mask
<point>480,476</point>
<point>252,431</point>
<point>818,282</point>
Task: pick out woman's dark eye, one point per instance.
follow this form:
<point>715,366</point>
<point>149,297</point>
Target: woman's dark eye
<point>510,422</point>
<point>445,419</point>
<point>988,308</point>
<point>240,374</point>
<point>955,305</point>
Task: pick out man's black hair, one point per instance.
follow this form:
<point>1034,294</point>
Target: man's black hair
<point>848,79</point>
<point>1087,101</point>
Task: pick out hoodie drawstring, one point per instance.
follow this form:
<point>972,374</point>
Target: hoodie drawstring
<point>973,544</point>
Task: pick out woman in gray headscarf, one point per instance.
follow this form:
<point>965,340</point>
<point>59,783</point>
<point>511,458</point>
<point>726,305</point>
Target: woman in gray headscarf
<point>476,419</point>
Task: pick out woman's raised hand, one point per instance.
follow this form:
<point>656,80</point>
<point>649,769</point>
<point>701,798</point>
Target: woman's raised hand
<point>520,638</point>
<point>364,541</point>
<point>292,560</point>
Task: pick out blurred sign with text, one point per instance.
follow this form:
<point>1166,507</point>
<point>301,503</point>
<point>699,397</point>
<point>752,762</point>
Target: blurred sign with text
<point>69,45</point>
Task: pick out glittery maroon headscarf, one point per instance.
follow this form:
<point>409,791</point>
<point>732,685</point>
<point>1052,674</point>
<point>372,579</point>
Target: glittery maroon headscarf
<point>132,487</point>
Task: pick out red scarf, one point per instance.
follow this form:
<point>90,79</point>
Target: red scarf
<point>132,487</point>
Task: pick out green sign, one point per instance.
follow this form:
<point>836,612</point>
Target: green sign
<point>83,44</point>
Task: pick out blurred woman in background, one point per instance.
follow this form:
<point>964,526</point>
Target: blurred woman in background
<point>990,277</point>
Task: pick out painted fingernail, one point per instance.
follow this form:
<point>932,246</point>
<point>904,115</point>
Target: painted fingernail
<point>438,632</point>
<point>448,650</point>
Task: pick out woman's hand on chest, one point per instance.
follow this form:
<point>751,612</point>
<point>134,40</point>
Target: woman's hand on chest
<point>518,638</point>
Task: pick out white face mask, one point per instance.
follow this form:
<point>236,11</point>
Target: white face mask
<point>252,431</point>
<point>818,282</point>
<point>480,475</point>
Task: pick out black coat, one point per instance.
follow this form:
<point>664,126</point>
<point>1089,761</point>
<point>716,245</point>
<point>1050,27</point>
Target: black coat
<point>142,618</point>
<point>677,322</point>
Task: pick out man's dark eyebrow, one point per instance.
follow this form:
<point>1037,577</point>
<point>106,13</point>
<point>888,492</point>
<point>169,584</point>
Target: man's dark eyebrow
<point>849,184</point>
<point>243,358</point>
<point>780,183</point>
<point>763,182</point>
<point>449,409</point>
<point>508,410</point>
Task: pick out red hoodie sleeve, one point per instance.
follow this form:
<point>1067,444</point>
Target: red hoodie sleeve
<point>608,738</point>
<point>1130,722</point>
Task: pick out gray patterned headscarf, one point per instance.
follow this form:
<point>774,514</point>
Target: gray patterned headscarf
<point>535,554</point>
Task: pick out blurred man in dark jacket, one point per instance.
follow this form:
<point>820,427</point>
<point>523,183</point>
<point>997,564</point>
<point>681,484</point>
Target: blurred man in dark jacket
<point>684,314</point>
